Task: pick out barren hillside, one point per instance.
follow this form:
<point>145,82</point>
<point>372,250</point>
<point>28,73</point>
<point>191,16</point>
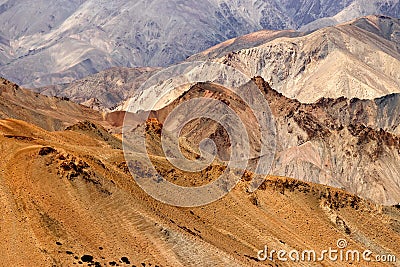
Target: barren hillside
<point>68,194</point>
<point>50,113</point>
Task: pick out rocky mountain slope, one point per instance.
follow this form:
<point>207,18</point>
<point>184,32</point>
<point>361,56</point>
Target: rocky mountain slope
<point>73,39</point>
<point>347,143</point>
<point>68,199</point>
<point>357,9</point>
<point>356,59</point>
<point>50,113</point>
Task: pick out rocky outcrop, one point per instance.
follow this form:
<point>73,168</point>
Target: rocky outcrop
<point>338,142</point>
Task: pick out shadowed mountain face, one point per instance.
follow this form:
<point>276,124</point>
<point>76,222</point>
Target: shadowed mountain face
<point>340,142</point>
<point>357,9</point>
<point>73,39</point>
<point>68,197</point>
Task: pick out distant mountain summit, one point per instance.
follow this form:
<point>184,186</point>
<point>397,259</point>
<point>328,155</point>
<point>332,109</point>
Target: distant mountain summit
<point>357,9</point>
<point>357,59</point>
<point>58,42</point>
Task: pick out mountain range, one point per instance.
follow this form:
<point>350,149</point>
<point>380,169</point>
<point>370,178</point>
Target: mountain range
<point>345,143</point>
<point>69,199</point>
<point>357,59</point>
<point>78,146</point>
<point>69,40</point>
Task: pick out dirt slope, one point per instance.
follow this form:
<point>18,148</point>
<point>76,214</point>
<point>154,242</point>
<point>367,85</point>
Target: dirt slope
<point>68,194</point>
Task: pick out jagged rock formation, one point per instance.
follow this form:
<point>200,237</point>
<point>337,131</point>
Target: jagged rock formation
<point>341,143</point>
<point>73,39</point>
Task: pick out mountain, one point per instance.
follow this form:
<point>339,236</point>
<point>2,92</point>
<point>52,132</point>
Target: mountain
<point>347,143</point>
<point>358,59</point>
<point>68,199</point>
<point>104,90</point>
<point>50,113</point>
<point>355,10</point>
<point>73,39</point>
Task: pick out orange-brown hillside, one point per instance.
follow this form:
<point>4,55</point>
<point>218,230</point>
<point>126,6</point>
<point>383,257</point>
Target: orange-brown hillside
<point>68,194</point>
